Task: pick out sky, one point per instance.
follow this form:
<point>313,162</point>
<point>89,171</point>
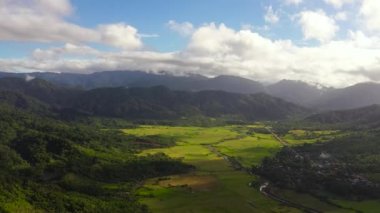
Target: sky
<point>330,42</point>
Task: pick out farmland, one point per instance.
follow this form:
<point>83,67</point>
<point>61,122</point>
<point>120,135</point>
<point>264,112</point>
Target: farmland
<point>214,185</point>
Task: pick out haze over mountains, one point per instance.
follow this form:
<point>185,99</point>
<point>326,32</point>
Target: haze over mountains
<point>157,102</point>
<point>368,116</point>
<point>297,92</point>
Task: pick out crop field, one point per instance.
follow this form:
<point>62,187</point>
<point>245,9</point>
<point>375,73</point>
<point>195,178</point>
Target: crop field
<point>189,135</point>
<point>214,185</point>
<point>262,145</point>
<point>299,136</point>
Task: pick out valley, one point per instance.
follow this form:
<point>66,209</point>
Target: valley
<point>190,106</point>
<point>216,183</point>
<point>154,149</point>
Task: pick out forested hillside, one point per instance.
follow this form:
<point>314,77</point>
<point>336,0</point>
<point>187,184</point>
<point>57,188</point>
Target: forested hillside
<point>153,103</point>
<point>54,166</point>
<point>162,103</point>
<point>366,117</point>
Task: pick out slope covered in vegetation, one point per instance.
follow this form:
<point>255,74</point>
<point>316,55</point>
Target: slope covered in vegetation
<point>51,166</point>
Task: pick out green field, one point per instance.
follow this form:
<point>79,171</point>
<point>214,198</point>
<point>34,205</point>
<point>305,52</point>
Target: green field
<point>250,150</point>
<point>299,136</point>
<point>214,185</point>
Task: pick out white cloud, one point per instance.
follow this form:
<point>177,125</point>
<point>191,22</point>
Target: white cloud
<point>185,28</point>
<point>120,35</point>
<point>369,11</point>
<point>217,49</point>
<point>317,25</point>
<point>295,2</point>
<point>271,16</point>
<point>361,40</point>
<point>341,16</point>
<point>44,21</point>
<point>40,20</point>
<point>338,3</point>
<point>225,51</point>
<point>67,50</point>
<point>56,7</point>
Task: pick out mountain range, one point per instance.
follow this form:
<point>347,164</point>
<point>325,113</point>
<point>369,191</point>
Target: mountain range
<point>298,92</point>
<point>150,103</point>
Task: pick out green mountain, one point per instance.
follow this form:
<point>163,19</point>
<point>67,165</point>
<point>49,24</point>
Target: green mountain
<point>162,103</point>
<point>369,115</point>
<point>143,79</point>
<point>20,101</point>
<point>298,92</point>
<point>39,89</point>
<point>155,102</point>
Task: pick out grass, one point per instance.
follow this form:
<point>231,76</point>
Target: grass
<point>189,135</point>
<point>250,150</point>
<point>310,201</point>
<point>299,136</point>
<point>214,191</point>
<point>147,130</point>
<point>368,206</point>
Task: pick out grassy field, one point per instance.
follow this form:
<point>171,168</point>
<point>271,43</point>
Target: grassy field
<point>299,136</point>
<point>214,186</point>
<point>250,150</point>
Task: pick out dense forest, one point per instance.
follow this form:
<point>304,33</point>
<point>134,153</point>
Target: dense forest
<point>50,165</point>
<point>346,167</point>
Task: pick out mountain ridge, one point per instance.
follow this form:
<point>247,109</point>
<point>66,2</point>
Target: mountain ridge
<point>157,102</point>
<point>369,116</point>
<point>298,92</point>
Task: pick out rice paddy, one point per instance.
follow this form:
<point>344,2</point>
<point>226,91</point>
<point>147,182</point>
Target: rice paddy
<point>214,185</point>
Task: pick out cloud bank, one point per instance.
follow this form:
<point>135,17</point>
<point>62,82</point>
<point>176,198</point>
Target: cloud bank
<point>44,21</point>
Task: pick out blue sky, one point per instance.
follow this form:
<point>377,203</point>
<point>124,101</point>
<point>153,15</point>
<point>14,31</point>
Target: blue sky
<point>333,42</point>
<point>150,16</point>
